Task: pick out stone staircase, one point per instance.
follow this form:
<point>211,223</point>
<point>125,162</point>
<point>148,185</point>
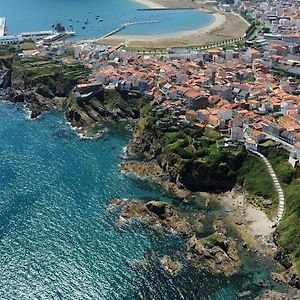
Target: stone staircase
<point>277,186</point>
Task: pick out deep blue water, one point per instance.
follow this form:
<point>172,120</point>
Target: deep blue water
<point>33,15</point>
<point>57,239</point>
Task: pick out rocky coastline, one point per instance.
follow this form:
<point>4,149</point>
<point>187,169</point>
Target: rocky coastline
<point>40,85</point>
<point>272,295</point>
<point>150,170</point>
<point>215,253</point>
<point>256,237</point>
<point>44,85</point>
<point>176,172</point>
<point>159,214</point>
<point>104,104</point>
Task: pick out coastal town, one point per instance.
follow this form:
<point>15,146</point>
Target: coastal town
<point>249,95</point>
<point>238,95</point>
<point>232,92</point>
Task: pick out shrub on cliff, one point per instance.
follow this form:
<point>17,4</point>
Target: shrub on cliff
<point>255,178</point>
<point>279,160</point>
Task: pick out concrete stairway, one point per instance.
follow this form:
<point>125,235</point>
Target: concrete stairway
<point>277,186</point>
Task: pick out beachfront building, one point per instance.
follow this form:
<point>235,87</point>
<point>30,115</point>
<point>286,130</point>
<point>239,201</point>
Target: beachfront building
<point>294,157</point>
<point>9,39</point>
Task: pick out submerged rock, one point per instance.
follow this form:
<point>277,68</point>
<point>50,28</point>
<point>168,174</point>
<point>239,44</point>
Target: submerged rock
<point>272,295</point>
<point>244,294</point>
<point>215,253</point>
<point>172,266</point>
<point>219,225</point>
<point>280,277</point>
<point>290,275</point>
<point>152,171</point>
<point>287,277</point>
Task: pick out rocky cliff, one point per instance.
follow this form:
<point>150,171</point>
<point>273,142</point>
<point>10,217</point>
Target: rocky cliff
<point>103,104</point>
<point>215,253</point>
<point>191,159</point>
<point>5,71</point>
<point>40,84</point>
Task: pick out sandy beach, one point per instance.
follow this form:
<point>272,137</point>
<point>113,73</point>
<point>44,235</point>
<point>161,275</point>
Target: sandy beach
<point>149,3</point>
<point>250,222</point>
<point>225,26</point>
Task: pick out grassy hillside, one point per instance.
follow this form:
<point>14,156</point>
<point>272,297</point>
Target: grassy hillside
<point>193,157</point>
<point>289,228</point>
<point>254,177</point>
<point>258,182</point>
<point>51,73</point>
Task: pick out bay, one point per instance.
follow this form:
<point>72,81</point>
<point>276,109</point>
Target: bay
<point>34,15</point>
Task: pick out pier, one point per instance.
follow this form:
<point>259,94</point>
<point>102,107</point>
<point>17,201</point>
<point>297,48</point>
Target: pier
<point>122,27</point>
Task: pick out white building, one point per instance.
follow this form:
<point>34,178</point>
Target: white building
<point>37,35</point>
<point>284,22</point>
<point>2,26</point>
<point>295,155</point>
<point>9,39</point>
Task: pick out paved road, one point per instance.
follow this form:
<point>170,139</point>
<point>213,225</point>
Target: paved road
<point>286,145</point>
<point>277,185</point>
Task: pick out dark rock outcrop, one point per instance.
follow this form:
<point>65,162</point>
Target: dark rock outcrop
<point>289,276</point>
<point>170,265</point>
<point>103,104</point>
<point>272,295</point>
<point>5,71</point>
<point>160,213</point>
<point>215,253</point>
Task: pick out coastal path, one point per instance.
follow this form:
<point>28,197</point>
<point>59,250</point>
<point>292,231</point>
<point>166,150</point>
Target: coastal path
<point>277,186</point>
<point>194,48</point>
<point>284,144</point>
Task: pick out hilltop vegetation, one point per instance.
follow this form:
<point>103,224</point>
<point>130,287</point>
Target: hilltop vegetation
<point>193,158</point>
<point>102,104</point>
<point>40,82</point>
<point>59,78</point>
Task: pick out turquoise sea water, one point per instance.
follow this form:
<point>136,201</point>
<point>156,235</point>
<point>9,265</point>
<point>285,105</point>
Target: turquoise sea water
<point>57,239</point>
<point>33,15</point>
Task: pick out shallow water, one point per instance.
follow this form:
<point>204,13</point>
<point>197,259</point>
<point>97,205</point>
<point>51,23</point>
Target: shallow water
<point>57,240</point>
<point>33,15</point>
